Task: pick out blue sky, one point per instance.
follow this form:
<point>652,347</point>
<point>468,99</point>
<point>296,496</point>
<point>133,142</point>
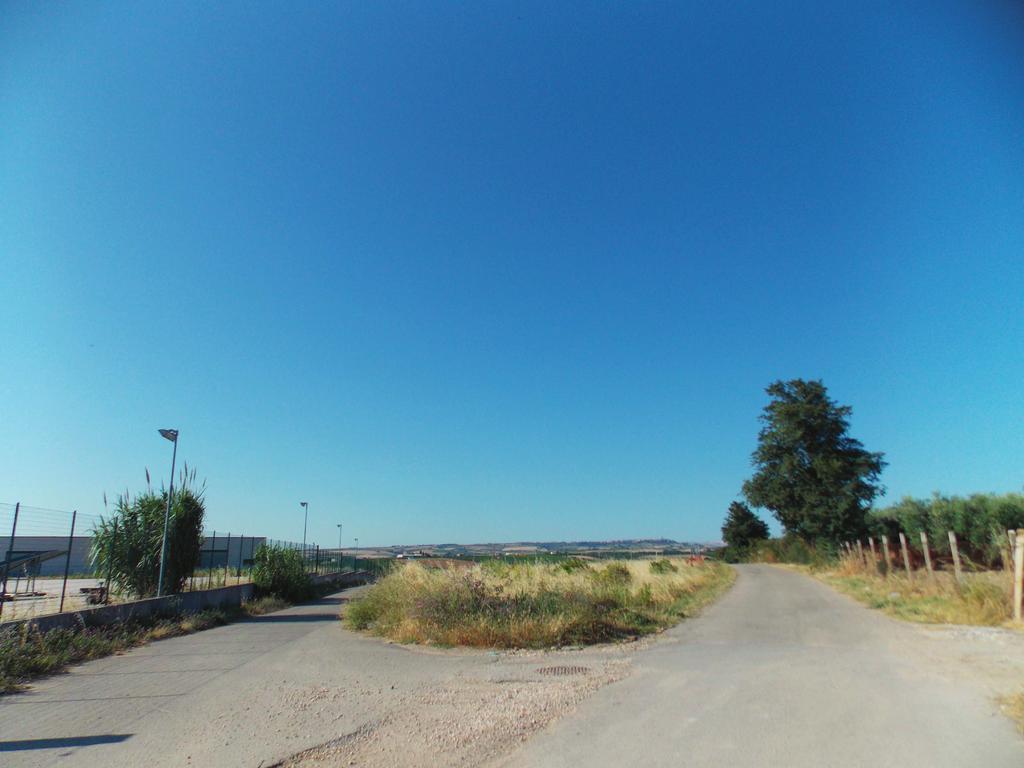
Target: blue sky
<point>495,271</point>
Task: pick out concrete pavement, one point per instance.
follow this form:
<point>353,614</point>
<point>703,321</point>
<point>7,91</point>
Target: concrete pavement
<point>783,671</point>
<point>245,694</point>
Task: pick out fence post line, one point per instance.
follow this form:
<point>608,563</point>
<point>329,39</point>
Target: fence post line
<point>209,572</point>
<point>888,557</point>
<point>7,558</point>
<point>227,560</point>
<point>110,561</point>
<point>956,557</point>
<point>860,553</point>
<point>906,556</point>
<point>1018,576</point>
<point>927,554</point>
<point>874,554</point>
<point>67,561</point>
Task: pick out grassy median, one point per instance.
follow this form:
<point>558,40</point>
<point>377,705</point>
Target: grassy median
<point>496,604</point>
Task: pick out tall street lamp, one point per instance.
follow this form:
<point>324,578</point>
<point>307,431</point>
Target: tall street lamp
<point>172,435</point>
<point>339,536</point>
<point>305,519</point>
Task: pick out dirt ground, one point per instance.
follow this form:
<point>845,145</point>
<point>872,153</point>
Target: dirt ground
<point>473,716</point>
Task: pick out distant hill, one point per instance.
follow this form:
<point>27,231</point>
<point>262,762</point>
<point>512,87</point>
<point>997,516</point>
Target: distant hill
<point>668,546</point>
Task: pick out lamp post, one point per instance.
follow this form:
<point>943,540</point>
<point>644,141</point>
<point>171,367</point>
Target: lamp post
<point>340,553</point>
<point>305,519</point>
<point>172,435</point>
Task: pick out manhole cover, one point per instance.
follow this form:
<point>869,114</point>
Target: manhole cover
<point>563,670</point>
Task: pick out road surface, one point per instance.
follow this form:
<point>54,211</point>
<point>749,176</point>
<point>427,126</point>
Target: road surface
<point>781,672</point>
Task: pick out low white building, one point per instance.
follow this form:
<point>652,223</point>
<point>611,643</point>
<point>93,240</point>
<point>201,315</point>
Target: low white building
<point>216,552</point>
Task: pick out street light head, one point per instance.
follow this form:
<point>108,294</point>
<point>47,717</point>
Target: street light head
<point>303,503</point>
<point>169,434</point>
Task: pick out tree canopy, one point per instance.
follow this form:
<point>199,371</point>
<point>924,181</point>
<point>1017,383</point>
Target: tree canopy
<point>742,527</point>
<point>816,479</point>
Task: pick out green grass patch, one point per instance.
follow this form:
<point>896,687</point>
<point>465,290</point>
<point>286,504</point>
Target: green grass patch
<point>498,604</point>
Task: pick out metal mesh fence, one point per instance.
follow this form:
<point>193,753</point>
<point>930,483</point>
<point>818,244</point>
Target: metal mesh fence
<point>47,562</point>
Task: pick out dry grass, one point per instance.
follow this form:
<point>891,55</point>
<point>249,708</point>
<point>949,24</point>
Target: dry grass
<point>984,598</point>
<point>267,604</point>
<point>534,605</point>
<point>26,653</point>
<point>1013,707</point>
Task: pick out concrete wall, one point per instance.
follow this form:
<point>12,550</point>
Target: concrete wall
<point>186,602</point>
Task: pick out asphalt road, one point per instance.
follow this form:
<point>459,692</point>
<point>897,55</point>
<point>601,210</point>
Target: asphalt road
<point>783,671</point>
<point>246,694</point>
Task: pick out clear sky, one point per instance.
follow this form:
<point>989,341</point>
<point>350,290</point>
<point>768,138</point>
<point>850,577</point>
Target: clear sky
<point>501,271</point>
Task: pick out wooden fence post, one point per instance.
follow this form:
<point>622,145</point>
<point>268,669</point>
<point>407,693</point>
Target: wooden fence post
<point>888,557</point>
<point>1011,537</point>
<point>906,556</point>
<point>874,554</point>
<point>1018,576</point>
<point>956,557</point>
<point>927,554</point>
<point>860,553</point>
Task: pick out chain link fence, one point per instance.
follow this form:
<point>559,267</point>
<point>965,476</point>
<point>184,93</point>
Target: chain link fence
<point>47,564</point>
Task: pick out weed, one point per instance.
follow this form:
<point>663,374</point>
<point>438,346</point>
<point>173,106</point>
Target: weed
<point>982,598</point>
<point>572,564</point>
<point>25,652</point>
<point>261,605</point>
<point>1013,706</point>
<point>533,605</point>
<point>664,565</point>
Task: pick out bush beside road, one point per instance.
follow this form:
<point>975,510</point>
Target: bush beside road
<point>535,605</point>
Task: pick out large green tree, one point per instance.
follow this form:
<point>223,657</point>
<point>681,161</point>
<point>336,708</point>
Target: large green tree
<point>817,480</point>
<point>742,527</point>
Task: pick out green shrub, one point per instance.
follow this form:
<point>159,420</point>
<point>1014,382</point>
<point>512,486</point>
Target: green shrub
<point>128,543</point>
<point>281,572</point>
<point>571,564</point>
<point>614,573</point>
<point>980,522</point>
<point>664,565</point>
<point>793,549</point>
